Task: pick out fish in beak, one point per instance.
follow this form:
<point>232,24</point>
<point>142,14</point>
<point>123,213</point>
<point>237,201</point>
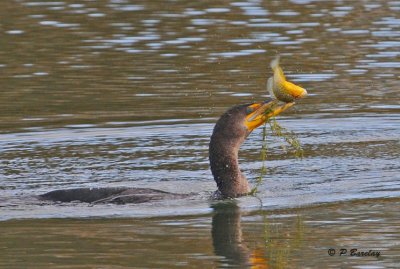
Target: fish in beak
<point>282,89</point>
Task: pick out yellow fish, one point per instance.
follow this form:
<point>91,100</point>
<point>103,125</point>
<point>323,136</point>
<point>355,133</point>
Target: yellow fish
<point>282,89</point>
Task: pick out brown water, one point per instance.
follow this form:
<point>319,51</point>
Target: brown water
<point>126,93</point>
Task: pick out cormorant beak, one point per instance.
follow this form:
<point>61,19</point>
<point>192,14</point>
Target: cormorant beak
<point>259,113</point>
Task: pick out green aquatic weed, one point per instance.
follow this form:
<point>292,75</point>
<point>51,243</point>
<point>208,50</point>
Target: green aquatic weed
<point>263,169</point>
<point>288,136</point>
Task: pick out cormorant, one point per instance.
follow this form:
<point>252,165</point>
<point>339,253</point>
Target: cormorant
<point>229,133</point>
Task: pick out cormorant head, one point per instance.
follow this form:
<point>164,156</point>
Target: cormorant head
<point>239,121</point>
<point>229,133</point>
<point>258,113</point>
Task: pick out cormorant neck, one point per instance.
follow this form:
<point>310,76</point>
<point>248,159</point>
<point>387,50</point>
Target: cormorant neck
<point>223,154</point>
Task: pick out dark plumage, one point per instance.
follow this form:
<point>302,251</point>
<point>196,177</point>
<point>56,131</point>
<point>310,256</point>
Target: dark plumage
<point>118,195</point>
<point>229,133</point>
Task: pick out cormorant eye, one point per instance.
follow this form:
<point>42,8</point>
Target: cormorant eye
<point>249,110</point>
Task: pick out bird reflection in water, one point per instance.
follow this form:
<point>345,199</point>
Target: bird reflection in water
<point>228,239</point>
<point>269,248</point>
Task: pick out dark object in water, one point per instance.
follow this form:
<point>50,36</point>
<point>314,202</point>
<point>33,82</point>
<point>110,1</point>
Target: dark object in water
<point>229,133</point>
<point>117,195</point>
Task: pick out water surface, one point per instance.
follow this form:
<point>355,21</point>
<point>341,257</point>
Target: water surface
<point>126,93</point>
